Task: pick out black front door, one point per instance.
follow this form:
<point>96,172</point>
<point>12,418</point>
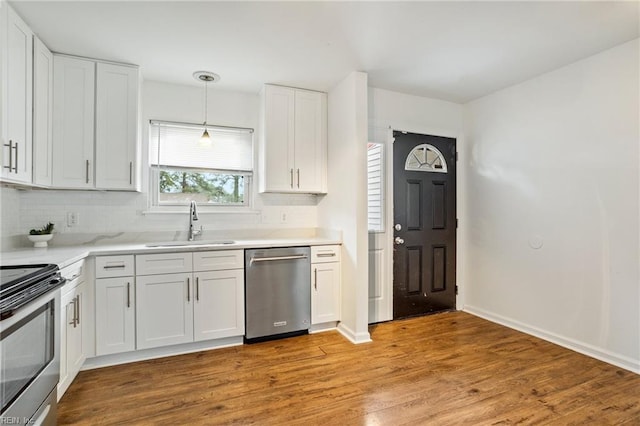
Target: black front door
<point>424,206</point>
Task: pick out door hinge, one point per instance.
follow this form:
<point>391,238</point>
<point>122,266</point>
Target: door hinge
<point>456,289</point>
<point>456,155</point>
<point>456,223</point>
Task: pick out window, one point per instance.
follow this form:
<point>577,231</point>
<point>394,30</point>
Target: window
<point>426,158</point>
<point>375,185</point>
<point>183,169</point>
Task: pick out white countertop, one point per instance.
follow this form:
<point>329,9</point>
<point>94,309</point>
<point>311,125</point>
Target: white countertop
<point>64,256</point>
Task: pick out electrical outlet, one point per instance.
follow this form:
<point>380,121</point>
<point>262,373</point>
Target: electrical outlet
<point>283,217</point>
<point>72,219</point>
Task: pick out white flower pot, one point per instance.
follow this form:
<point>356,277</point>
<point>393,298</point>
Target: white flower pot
<point>40,240</point>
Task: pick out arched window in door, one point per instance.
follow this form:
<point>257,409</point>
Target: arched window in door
<point>426,158</point>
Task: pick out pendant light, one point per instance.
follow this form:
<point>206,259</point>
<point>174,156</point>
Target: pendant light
<point>207,77</point>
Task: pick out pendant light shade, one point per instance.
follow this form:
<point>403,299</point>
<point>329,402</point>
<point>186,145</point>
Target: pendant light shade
<point>207,77</point>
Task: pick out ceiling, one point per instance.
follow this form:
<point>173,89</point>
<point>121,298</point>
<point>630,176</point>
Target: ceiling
<point>455,51</point>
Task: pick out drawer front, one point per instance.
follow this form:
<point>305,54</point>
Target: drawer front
<point>324,254</point>
<point>218,260</point>
<point>114,266</point>
<point>74,275</point>
<point>164,263</point>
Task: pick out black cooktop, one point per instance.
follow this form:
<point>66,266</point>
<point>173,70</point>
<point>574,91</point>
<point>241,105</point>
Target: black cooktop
<point>20,284</point>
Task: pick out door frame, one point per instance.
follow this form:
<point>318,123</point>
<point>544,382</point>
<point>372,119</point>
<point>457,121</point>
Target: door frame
<point>460,252</point>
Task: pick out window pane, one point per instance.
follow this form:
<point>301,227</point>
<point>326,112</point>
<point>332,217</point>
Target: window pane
<point>182,186</point>
<point>375,185</point>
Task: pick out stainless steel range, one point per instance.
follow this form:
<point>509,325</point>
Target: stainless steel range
<point>29,343</point>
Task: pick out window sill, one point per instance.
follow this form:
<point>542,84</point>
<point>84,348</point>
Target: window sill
<point>201,210</point>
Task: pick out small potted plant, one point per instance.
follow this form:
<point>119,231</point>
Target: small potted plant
<point>39,237</point>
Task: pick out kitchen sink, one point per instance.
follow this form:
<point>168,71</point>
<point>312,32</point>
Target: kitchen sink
<point>191,243</point>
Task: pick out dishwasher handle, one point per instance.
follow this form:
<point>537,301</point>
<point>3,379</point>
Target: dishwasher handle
<point>273,258</point>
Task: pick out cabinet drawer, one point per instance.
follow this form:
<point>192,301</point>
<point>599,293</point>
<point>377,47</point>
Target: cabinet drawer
<point>218,260</point>
<point>114,266</point>
<point>165,263</point>
<point>74,275</point>
<point>323,254</point>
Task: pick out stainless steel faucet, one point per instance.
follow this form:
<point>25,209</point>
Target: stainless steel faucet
<point>193,216</point>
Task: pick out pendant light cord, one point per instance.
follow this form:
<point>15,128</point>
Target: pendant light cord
<point>205,103</point>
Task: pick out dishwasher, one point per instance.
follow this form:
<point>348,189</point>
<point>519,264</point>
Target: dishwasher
<point>277,292</point>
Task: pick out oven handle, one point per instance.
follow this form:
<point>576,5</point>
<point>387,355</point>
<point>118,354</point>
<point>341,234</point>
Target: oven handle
<point>270,259</point>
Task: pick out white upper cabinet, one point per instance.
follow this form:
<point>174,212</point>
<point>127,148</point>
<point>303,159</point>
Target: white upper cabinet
<point>310,152</point>
<point>73,122</point>
<point>116,126</point>
<point>293,149</point>
<point>17,80</point>
<point>88,96</point>
<point>42,114</point>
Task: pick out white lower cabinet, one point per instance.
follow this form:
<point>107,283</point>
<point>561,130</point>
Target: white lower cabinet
<point>115,304</point>
<point>219,304</point>
<point>72,324</point>
<point>115,315</point>
<point>325,282</point>
<point>197,296</point>
<point>164,310</point>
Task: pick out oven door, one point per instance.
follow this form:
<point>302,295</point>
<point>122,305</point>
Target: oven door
<point>29,362</point>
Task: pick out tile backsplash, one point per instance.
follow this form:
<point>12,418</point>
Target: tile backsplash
<point>102,212</point>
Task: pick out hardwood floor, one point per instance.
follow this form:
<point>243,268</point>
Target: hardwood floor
<point>450,368</point>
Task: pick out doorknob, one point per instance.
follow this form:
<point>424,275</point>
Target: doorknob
<point>398,240</point>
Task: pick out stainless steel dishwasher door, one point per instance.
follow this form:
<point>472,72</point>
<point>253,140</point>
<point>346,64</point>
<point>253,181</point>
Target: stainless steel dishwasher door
<point>277,291</point>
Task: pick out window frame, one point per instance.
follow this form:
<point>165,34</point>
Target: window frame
<point>156,206</point>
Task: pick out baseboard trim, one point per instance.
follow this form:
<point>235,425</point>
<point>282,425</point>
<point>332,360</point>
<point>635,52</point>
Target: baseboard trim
<point>161,352</point>
<point>592,351</point>
<point>353,337</point>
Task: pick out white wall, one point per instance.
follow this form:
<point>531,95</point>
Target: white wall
<point>413,114</point>
<point>102,212</point>
<point>553,191</point>
<point>345,206</point>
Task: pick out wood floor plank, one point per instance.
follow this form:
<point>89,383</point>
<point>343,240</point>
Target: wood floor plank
<point>451,368</point>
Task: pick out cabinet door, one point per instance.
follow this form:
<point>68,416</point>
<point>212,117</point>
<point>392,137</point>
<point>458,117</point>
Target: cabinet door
<point>116,126</point>
<point>277,173</point>
<point>219,304</point>
<point>310,141</point>
<point>115,319</point>
<point>73,122</point>
<point>72,354</point>
<point>75,350</point>
<point>17,147</point>
<point>325,294</point>
<point>164,310</point>
<point>42,113</point>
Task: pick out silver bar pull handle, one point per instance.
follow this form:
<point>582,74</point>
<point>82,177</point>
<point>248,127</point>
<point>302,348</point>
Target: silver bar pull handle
<point>87,171</point>
<point>15,167</point>
<point>128,295</point>
<point>326,254</point>
<point>291,173</point>
<point>130,172</point>
<point>73,318</point>
<point>78,305</point>
<point>198,289</point>
<point>114,266</point>
<point>188,290</point>
<point>10,166</point>
<point>270,259</point>
<point>315,278</point>
<point>298,178</point>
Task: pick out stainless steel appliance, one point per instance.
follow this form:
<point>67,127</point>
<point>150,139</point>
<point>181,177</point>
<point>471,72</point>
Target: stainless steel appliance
<point>277,292</point>
<point>29,343</point>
